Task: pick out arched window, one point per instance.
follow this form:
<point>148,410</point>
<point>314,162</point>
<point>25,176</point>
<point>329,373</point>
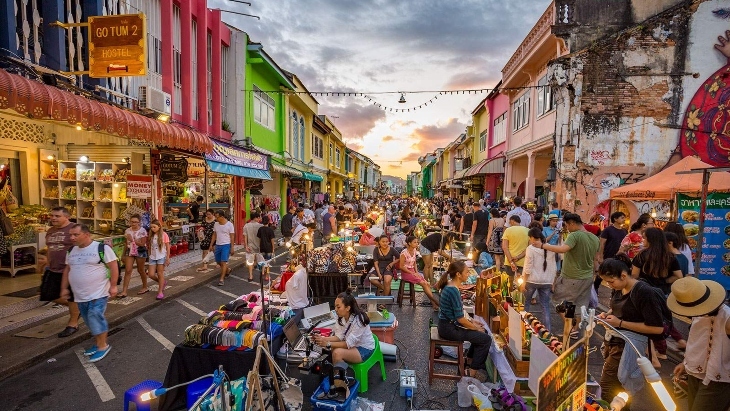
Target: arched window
<point>295,134</point>
<point>301,138</point>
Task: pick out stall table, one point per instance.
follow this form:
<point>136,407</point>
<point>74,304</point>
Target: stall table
<point>327,285</point>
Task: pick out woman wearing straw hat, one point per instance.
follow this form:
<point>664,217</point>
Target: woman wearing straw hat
<point>707,358</point>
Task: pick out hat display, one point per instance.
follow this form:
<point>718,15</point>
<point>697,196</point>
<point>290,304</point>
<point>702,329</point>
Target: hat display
<point>692,297</point>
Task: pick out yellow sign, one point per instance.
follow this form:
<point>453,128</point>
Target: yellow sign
<point>117,45</point>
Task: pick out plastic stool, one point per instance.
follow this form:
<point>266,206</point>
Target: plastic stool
<point>196,389</point>
<point>361,370</point>
<point>133,394</point>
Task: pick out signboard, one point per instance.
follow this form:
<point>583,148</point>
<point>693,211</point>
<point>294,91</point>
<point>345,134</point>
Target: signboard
<point>715,264</point>
<point>562,387</point>
<point>117,45</point>
<point>139,186</point>
<point>236,156</point>
<point>174,169</point>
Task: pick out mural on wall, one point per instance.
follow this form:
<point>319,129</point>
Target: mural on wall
<point>706,126</point>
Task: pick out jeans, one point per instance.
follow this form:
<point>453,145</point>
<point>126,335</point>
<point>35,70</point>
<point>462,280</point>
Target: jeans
<point>544,292</point>
<point>93,314</point>
<point>480,342</point>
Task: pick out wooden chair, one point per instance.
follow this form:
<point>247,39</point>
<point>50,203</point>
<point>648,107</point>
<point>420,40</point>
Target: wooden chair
<point>402,293</point>
<point>437,341</point>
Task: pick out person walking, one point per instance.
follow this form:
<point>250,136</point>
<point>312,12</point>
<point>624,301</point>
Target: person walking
<point>135,251</point>
<point>92,272</point>
<point>205,234</point>
<point>610,241</point>
<point>539,274</point>
<point>682,245</point>
<point>494,238</point>
<point>525,218</point>
<point>514,243</point>
<point>222,243</point>
<point>633,243</point>
<point>59,242</point>
<point>159,246</point>
<point>480,225</point>
<point>287,227</point>
<point>252,242</point>
<point>267,238</point>
<point>329,225</point>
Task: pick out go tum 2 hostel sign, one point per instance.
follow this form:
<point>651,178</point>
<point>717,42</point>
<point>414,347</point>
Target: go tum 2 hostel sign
<point>236,156</point>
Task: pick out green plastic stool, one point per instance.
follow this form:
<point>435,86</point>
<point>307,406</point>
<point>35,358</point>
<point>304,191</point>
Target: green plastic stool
<point>361,370</point>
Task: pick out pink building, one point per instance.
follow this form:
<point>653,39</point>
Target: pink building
<point>497,104</point>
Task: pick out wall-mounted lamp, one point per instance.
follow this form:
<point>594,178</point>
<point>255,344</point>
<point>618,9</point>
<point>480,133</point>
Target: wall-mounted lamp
<point>163,117</point>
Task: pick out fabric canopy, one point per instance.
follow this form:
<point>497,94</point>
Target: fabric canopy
<point>665,184</point>
<point>282,169</point>
<point>246,172</point>
<point>311,177</point>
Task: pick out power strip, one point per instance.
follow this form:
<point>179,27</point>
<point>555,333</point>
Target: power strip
<point>407,383</point>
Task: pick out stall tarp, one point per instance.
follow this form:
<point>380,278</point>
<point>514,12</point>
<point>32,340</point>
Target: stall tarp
<point>665,184</point>
<point>233,160</point>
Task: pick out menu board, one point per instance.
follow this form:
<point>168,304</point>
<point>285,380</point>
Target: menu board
<point>562,387</point>
<point>715,263</point>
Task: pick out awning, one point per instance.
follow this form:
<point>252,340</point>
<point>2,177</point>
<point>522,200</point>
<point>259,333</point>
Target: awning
<point>311,177</point>
<point>37,100</point>
<point>229,159</point>
<point>282,169</point>
<point>491,166</point>
<point>460,174</point>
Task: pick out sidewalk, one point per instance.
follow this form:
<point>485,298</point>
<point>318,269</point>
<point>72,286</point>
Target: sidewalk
<point>39,341</point>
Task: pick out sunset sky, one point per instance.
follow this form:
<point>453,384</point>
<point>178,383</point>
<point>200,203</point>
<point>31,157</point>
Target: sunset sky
<point>391,46</point>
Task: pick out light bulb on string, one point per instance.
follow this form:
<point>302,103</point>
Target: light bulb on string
<point>653,213</point>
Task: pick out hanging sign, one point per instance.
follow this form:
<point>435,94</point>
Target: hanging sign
<point>139,186</point>
<point>174,170</point>
<point>236,156</point>
<point>562,387</point>
<point>117,45</point>
<point>715,264</point>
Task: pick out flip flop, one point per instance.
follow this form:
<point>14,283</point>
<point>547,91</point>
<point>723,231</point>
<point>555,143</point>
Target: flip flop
<point>144,291</point>
<point>120,296</point>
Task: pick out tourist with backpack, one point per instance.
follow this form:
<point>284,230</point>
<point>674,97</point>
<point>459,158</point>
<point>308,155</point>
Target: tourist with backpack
<point>159,246</point>
<point>92,271</point>
<point>494,238</point>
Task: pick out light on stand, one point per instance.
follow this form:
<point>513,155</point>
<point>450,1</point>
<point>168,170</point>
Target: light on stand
<point>288,244</point>
<point>520,280</point>
<point>619,401</point>
<point>655,380</point>
<point>151,395</point>
<point>653,213</point>
<point>468,244</point>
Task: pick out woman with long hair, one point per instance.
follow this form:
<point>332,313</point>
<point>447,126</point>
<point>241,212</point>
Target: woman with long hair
<point>159,246</point>
<point>539,274</point>
<point>135,251</point>
<point>205,234</point>
<point>494,237</point>
<point>683,244</point>
<point>454,325</point>
<point>385,258</point>
<point>633,243</point>
<point>353,340</point>
<point>636,311</point>
<point>410,274</point>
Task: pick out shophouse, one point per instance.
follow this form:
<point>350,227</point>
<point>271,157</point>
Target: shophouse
<point>427,183</point>
<point>531,131</point>
<point>319,161</point>
<point>336,172</point>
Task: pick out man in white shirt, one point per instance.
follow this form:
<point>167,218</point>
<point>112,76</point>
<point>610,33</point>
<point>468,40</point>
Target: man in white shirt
<point>296,290</point>
<point>309,216</point>
<point>525,218</point>
<point>223,232</point>
<point>252,243</point>
<point>301,231</point>
<point>92,271</point>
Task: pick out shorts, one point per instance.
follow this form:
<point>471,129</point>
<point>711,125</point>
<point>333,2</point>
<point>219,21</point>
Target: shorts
<point>222,252</point>
<point>424,251</point>
<point>365,353</point>
<point>576,291</point>
<point>160,261</point>
<point>254,257</point>
<point>141,253</point>
<point>51,286</point>
<point>93,314</point>
<point>267,256</point>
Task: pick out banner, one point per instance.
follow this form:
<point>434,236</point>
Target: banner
<point>715,263</point>
<point>562,387</point>
<point>139,186</point>
<point>228,154</point>
<point>173,169</point>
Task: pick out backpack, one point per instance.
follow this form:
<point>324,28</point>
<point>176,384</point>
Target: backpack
<point>661,301</point>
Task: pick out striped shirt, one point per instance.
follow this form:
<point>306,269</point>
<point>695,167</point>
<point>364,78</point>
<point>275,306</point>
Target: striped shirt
<point>450,307</point>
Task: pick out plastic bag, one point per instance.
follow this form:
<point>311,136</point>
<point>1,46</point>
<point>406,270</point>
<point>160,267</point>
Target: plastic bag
<point>470,390</point>
<point>363,404</point>
<point>208,257</point>
<point>481,401</point>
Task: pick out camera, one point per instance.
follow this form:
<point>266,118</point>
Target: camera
<point>567,308</point>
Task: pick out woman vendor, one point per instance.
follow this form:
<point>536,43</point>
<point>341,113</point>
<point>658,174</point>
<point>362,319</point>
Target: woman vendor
<point>352,341</point>
<point>454,325</point>
<point>410,274</point>
<point>385,258</point>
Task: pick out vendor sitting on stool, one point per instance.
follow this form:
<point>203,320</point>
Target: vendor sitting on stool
<point>352,341</point>
<point>455,326</point>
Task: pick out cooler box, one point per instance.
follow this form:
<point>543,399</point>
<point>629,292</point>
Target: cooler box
<point>328,405</point>
<point>385,334</point>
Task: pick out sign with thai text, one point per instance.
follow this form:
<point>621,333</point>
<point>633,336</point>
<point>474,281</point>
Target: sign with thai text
<point>236,156</point>
<point>173,169</point>
<point>117,45</point>
<point>139,186</point>
<point>715,263</point>
<point>562,387</point>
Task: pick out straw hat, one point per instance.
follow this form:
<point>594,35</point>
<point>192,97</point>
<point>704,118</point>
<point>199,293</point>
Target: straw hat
<point>692,297</point>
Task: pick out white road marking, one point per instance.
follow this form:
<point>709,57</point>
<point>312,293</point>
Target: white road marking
<point>105,392</point>
<point>192,308</point>
<point>238,278</point>
<point>181,278</point>
<point>156,334</point>
<point>222,291</point>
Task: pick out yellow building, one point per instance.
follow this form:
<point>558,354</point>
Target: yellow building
<point>335,159</point>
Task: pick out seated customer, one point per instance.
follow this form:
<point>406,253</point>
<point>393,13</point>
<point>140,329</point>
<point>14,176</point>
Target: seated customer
<point>385,258</point>
<point>454,325</point>
<point>409,273</point>
<point>352,341</point>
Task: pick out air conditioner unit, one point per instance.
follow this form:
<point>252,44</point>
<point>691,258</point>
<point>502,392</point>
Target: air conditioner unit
<point>156,100</point>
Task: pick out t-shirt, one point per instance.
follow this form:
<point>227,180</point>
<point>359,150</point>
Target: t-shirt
<point>593,229</point>
<point>88,278</point>
<point>296,289</point>
<point>482,219</point>
<point>265,235</point>
<point>136,235</point>
<point>468,219</point>
<point>298,233</point>
<point>223,232</point>
<point>251,231</point>
<point>613,237</point>
<point>548,231</point>
<point>195,211</point>
<point>157,252</point>
<point>59,242</point>
<point>450,306</point>
<point>639,305</point>
<point>640,261</point>
<point>432,242</point>
<point>578,261</point>
<point>518,241</point>
<point>683,263</point>
<point>525,218</point>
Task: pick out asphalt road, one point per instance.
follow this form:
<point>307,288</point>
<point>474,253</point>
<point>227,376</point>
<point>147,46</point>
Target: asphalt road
<point>141,349</point>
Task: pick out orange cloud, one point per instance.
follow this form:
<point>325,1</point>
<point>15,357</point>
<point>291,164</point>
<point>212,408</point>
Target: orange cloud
<point>428,138</point>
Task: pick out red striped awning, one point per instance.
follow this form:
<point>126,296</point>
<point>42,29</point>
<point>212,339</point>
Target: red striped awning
<point>40,101</point>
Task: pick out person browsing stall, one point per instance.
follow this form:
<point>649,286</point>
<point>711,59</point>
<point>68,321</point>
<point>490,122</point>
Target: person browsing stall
<point>296,290</point>
<point>353,341</point>
<point>454,325</point>
<point>434,243</point>
<point>302,233</point>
